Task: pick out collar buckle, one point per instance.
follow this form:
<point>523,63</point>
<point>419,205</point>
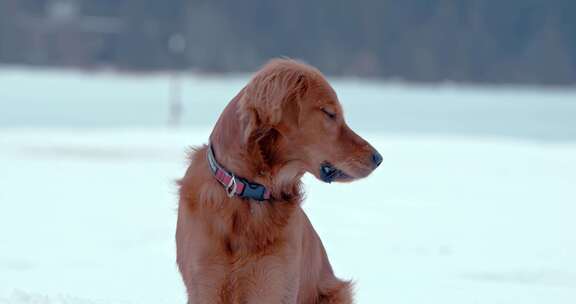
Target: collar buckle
<point>235,185</point>
<point>232,186</point>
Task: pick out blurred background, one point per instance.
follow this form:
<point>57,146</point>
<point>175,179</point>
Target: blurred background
<point>472,103</point>
<point>520,41</point>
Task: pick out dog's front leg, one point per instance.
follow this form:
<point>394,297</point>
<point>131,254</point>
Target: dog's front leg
<point>274,281</point>
<point>206,285</point>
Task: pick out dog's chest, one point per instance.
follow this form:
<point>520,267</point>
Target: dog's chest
<point>266,279</point>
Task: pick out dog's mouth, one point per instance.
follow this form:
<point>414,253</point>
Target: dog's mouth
<point>329,173</point>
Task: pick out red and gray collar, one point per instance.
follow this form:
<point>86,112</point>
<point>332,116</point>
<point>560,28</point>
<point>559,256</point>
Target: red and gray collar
<point>235,185</point>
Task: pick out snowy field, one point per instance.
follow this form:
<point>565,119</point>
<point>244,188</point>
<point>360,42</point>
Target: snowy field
<point>475,201</point>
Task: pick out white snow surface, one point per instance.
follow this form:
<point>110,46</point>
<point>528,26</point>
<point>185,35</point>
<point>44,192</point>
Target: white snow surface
<point>475,201</point>
<point>88,217</point>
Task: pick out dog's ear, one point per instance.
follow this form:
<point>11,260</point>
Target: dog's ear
<point>273,96</point>
<point>271,99</point>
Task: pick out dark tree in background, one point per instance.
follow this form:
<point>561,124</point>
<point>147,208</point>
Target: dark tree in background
<point>487,41</point>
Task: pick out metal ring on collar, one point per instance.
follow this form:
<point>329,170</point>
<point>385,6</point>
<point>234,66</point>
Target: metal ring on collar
<point>231,187</point>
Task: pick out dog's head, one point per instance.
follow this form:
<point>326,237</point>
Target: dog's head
<point>293,122</point>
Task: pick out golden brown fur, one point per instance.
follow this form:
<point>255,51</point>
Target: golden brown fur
<point>287,121</point>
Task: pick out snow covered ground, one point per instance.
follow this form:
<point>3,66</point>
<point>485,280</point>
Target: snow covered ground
<point>484,213</point>
<point>102,99</point>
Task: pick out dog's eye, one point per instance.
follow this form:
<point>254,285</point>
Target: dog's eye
<point>330,114</point>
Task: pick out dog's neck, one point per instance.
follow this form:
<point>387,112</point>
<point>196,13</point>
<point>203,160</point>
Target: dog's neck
<point>256,225</point>
<point>282,178</point>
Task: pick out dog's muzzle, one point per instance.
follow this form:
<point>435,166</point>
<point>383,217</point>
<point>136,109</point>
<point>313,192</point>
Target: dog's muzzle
<point>329,173</point>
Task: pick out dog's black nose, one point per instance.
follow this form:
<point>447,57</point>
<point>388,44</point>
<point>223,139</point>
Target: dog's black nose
<point>376,158</point>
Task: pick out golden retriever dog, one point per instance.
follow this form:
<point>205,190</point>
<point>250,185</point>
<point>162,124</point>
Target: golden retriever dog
<point>242,236</point>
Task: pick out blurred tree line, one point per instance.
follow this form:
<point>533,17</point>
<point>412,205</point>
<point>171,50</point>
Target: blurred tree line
<point>512,41</point>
